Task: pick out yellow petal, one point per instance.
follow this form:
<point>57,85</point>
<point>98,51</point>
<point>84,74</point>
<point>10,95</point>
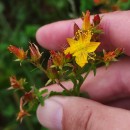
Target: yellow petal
<point>67,51</point>
<point>81,58</point>
<point>70,41</point>
<point>92,46</point>
<point>70,50</point>
<point>74,46</point>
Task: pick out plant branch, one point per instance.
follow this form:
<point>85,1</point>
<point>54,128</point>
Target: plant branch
<point>39,66</point>
<point>87,73</point>
<point>59,83</point>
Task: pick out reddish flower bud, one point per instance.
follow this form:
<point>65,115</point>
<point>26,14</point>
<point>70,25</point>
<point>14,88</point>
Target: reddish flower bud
<point>19,53</point>
<point>109,56</point>
<point>16,84</point>
<point>112,55</point>
<point>28,96</point>
<point>51,72</point>
<point>57,58</point>
<point>21,115</point>
<point>34,53</point>
<point>96,19</point>
<point>119,51</point>
<point>68,56</point>
<point>22,112</point>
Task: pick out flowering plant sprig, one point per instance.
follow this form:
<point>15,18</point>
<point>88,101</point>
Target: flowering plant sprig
<point>72,63</point>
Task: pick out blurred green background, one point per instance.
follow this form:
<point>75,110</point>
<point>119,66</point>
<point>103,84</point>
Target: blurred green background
<point>19,21</point>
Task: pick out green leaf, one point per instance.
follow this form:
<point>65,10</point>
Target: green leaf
<point>94,69</point>
<point>39,94</point>
<point>48,82</point>
<point>80,81</point>
<point>53,93</point>
<point>74,80</point>
<point>43,91</point>
<point>32,105</point>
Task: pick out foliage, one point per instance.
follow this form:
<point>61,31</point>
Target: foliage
<point>19,21</point>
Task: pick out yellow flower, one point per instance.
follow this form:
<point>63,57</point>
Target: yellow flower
<point>81,48</point>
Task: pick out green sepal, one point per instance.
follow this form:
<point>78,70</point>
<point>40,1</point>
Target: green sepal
<point>48,82</point>
<point>94,69</point>
<point>39,95</point>
<point>32,105</point>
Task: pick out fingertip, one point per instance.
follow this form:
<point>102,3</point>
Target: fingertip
<point>41,36</point>
<point>52,36</point>
<point>50,115</point>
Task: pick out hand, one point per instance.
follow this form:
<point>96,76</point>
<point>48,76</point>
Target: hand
<point>110,87</point>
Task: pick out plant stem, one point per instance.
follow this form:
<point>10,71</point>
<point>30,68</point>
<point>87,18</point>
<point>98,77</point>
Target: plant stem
<point>87,74</point>
<point>83,80</point>
<point>39,66</point>
<point>59,83</point>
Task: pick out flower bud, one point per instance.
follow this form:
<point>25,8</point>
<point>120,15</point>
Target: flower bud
<point>119,51</point>
<point>34,53</point>
<point>109,56</point>
<point>86,21</point>
<point>19,53</point>
<point>96,19</point>
<point>16,84</point>
<point>58,58</point>
<point>22,112</point>
<point>51,72</point>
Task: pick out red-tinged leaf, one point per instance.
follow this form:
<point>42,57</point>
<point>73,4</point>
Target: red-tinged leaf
<point>76,28</point>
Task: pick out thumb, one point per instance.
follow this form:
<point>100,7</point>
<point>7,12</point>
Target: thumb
<point>74,113</point>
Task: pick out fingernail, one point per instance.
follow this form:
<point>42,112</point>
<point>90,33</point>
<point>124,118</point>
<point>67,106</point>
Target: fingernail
<point>50,115</point>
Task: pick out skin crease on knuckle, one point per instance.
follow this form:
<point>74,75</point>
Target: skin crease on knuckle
<point>116,88</point>
<point>81,120</point>
<point>77,113</point>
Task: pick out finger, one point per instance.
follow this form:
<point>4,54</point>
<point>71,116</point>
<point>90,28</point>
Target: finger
<point>53,36</point>
<point>108,85</point>
<point>122,103</point>
<point>116,27</point>
<point>118,102</point>
<point>74,113</point>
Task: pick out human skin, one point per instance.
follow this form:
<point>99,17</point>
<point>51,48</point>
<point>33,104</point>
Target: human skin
<point>109,89</point>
